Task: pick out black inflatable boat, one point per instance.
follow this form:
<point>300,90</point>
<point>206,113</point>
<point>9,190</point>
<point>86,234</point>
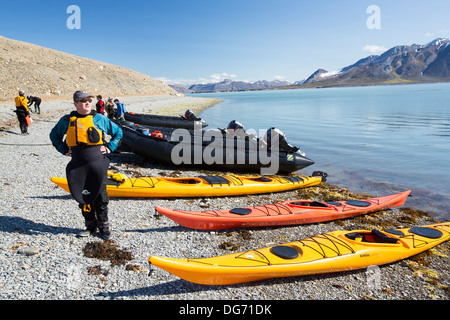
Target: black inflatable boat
<point>214,149</point>
<point>188,121</point>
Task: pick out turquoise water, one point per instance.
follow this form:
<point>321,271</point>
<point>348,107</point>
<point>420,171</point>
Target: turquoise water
<point>375,140</point>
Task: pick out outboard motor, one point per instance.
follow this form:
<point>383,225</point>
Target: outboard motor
<point>190,115</point>
<point>234,125</point>
<point>282,141</point>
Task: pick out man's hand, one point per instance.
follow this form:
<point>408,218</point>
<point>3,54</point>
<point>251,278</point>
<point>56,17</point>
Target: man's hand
<point>104,150</point>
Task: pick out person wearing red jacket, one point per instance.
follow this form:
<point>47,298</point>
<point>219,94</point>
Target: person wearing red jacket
<point>100,106</point>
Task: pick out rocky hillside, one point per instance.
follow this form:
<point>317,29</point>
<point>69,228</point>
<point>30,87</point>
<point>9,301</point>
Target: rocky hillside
<point>400,64</point>
<point>49,73</point>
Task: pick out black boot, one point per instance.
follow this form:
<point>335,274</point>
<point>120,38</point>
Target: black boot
<point>91,227</point>
<point>101,213</point>
<point>89,220</point>
<point>103,227</point>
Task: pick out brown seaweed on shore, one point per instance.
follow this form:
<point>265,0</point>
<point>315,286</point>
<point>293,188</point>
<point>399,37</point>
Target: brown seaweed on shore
<point>235,244</point>
<point>107,250</point>
<point>98,270</point>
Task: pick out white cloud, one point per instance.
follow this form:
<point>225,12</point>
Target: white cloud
<point>163,79</point>
<point>180,81</point>
<point>217,77</point>
<point>374,49</point>
<point>438,33</point>
<point>213,78</point>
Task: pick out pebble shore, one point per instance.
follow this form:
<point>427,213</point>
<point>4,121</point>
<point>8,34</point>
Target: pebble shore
<point>41,258</point>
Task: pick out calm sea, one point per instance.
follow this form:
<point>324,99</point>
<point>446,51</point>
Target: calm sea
<point>375,140</point>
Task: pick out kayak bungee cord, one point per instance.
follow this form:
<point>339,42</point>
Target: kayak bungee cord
<point>278,207</point>
<point>321,245</point>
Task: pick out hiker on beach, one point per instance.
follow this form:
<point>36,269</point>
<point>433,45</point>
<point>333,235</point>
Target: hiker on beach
<point>120,115</point>
<point>86,172</point>
<point>22,112</point>
<point>109,108</point>
<point>37,103</point>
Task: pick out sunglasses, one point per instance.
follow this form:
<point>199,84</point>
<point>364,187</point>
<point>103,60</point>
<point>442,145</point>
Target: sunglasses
<point>85,100</point>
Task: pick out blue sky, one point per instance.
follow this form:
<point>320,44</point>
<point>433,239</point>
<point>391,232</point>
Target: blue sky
<point>208,40</point>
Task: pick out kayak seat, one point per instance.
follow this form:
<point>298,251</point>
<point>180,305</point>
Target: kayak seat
<point>375,236</point>
<point>381,237</point>
<point>316,204</point>
<point>356,236</point>
<point>260,179</point>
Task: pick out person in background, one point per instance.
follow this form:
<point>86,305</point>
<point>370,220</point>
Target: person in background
<point>22,111</point>
<point>37,103</point>
<point>120,110</point>
<point>100,106</point>
<point>84,131</point>
<point>109,108</point>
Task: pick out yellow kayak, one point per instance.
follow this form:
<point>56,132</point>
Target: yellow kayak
<point>330,252</point>
<point>119,185</point>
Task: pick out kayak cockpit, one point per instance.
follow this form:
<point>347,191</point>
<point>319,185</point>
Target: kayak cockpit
<point>181,180</point>
<point>374,236</point>
<point>308,204</point>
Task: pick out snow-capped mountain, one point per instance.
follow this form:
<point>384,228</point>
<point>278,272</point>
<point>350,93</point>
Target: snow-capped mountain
<point>430,62</point>
<point>400,64</point>
<point>230,85</point>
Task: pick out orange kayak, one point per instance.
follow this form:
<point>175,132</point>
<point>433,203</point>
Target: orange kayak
<point>334,251</point>
<point>119,185</point>
<point>281,213</point>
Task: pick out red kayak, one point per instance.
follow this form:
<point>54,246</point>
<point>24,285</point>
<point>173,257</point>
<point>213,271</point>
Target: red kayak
<point>282,213</point>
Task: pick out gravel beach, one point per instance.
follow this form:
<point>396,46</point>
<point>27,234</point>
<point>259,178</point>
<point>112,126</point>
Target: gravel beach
<point>41,258</point>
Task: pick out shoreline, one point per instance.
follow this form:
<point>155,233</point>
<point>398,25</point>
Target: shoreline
<point>155,104</point>
<point>38,215</point>
<point>354,176</point>
<point>422,199</point>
